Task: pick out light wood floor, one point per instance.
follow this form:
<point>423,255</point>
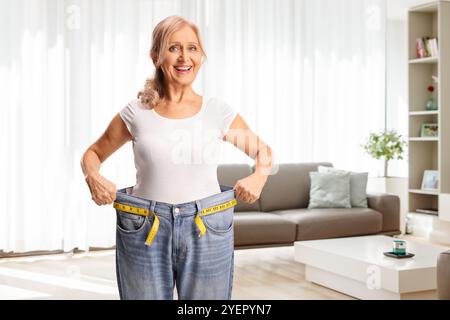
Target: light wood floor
<point>267,273</point>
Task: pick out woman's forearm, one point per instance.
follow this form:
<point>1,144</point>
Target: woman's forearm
<point>90,163</point>
<point>263,161</point>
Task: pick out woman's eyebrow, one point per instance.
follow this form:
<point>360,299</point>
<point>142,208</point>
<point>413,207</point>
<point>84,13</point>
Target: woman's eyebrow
<point>177,42</point>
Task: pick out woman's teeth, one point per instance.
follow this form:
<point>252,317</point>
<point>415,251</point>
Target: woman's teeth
<point>183,68</point>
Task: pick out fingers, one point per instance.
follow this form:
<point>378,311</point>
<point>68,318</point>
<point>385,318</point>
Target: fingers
<point>101,198</point>
<point>243,194</point>
<point>103,192</point>
<point>104,200</point>
<point>239,191</point>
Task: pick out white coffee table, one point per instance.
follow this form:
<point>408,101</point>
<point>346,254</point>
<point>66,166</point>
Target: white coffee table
<point>356,266</point>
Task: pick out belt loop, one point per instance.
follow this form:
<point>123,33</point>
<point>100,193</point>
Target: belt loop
<point>198,220</point>
<point>199,206</point>
<point>152,206</point>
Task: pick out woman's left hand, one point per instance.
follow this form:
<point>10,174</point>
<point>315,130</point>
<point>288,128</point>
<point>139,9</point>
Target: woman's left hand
<point>249,188</point>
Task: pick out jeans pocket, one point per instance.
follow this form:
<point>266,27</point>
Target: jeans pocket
<point>128,222</point>
<point>220,222</point>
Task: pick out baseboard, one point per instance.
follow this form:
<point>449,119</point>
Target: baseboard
<point>259,246</point>
<point>390,233</point>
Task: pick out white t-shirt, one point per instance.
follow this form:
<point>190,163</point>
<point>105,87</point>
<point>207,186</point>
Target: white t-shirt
<point>176,159</point>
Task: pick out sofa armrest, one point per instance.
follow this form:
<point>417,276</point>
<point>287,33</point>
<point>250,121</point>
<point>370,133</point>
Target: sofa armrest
<point>389,206</point>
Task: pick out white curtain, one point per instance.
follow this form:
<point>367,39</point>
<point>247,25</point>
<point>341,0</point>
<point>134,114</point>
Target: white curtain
<point>307,75</point>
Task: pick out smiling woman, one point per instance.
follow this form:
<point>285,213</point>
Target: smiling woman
<point>175,134</point>
<point>177,53</point>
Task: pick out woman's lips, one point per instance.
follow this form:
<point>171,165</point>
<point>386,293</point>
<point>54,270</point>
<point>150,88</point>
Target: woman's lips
<point>183,71</point>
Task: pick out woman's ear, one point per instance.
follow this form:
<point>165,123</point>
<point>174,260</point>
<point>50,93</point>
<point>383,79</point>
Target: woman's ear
<point>153,57</point>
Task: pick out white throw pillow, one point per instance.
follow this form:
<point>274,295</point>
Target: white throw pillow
<point>358,186</point>
<point>329,190</point>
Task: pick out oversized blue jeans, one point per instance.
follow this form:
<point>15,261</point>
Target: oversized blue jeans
<point>200,267</point>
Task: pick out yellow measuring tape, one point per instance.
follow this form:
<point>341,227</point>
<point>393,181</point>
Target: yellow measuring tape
<point>154,229</point>
<point>211,210</point>
<point>140,212</point>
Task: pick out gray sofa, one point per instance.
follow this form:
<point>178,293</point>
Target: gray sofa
<point>280,216</point>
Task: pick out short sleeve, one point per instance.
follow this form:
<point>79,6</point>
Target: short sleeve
<point>227,115</point>
<point>128,114</point>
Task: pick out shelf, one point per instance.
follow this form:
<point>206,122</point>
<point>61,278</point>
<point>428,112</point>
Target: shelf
<point>428,152</point>
<point>420,191</point>
<point>425,213</point>
<point>424,60</point>
<point>423,113</point>
<point>426,7</point>
<point>424,139</point>
<point>432,212</point>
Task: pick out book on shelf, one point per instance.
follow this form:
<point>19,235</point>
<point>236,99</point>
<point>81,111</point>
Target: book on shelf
<point>427,210</point>
<point>427,47</point>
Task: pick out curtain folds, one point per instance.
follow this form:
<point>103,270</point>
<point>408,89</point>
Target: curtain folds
<point>308,76</point>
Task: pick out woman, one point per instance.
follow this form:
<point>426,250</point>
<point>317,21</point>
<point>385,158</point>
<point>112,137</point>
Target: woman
<point>177,194</point>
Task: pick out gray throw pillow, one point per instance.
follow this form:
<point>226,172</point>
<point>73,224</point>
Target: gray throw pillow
<point>358,186</point>
<point>329,190</point>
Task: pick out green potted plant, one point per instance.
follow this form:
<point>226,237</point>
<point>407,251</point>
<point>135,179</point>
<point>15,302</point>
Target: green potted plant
<point>387,145</point>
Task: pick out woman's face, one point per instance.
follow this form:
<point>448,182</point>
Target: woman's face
<point>182,58</point>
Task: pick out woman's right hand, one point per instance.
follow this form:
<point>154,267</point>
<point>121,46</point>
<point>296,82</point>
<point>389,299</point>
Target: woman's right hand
<point>102,190</point>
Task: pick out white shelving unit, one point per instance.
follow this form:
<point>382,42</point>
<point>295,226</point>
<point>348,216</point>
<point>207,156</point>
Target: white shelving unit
<point>429,153</point>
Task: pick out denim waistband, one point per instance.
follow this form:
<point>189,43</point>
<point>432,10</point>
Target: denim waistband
<point>124,196</point>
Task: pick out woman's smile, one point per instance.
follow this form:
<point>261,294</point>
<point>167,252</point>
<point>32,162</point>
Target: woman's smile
<point>183,69</point>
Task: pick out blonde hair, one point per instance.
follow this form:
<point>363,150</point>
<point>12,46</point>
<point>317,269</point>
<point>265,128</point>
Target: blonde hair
<point>153,91</point>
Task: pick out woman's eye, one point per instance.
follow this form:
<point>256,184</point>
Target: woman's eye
<point>175,48</point>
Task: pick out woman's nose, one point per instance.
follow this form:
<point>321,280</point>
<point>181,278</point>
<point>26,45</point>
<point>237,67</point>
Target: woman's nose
<point>182,53</point>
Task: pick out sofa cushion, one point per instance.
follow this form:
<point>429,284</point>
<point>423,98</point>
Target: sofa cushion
<point>329,190</point>
<point>358,186</point>
<point>289,187</point>
<point>229,174</point>
<point>333,223</point>
<point>259,228</point>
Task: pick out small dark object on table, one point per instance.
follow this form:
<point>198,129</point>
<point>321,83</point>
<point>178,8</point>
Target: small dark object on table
<point>398,256</point>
